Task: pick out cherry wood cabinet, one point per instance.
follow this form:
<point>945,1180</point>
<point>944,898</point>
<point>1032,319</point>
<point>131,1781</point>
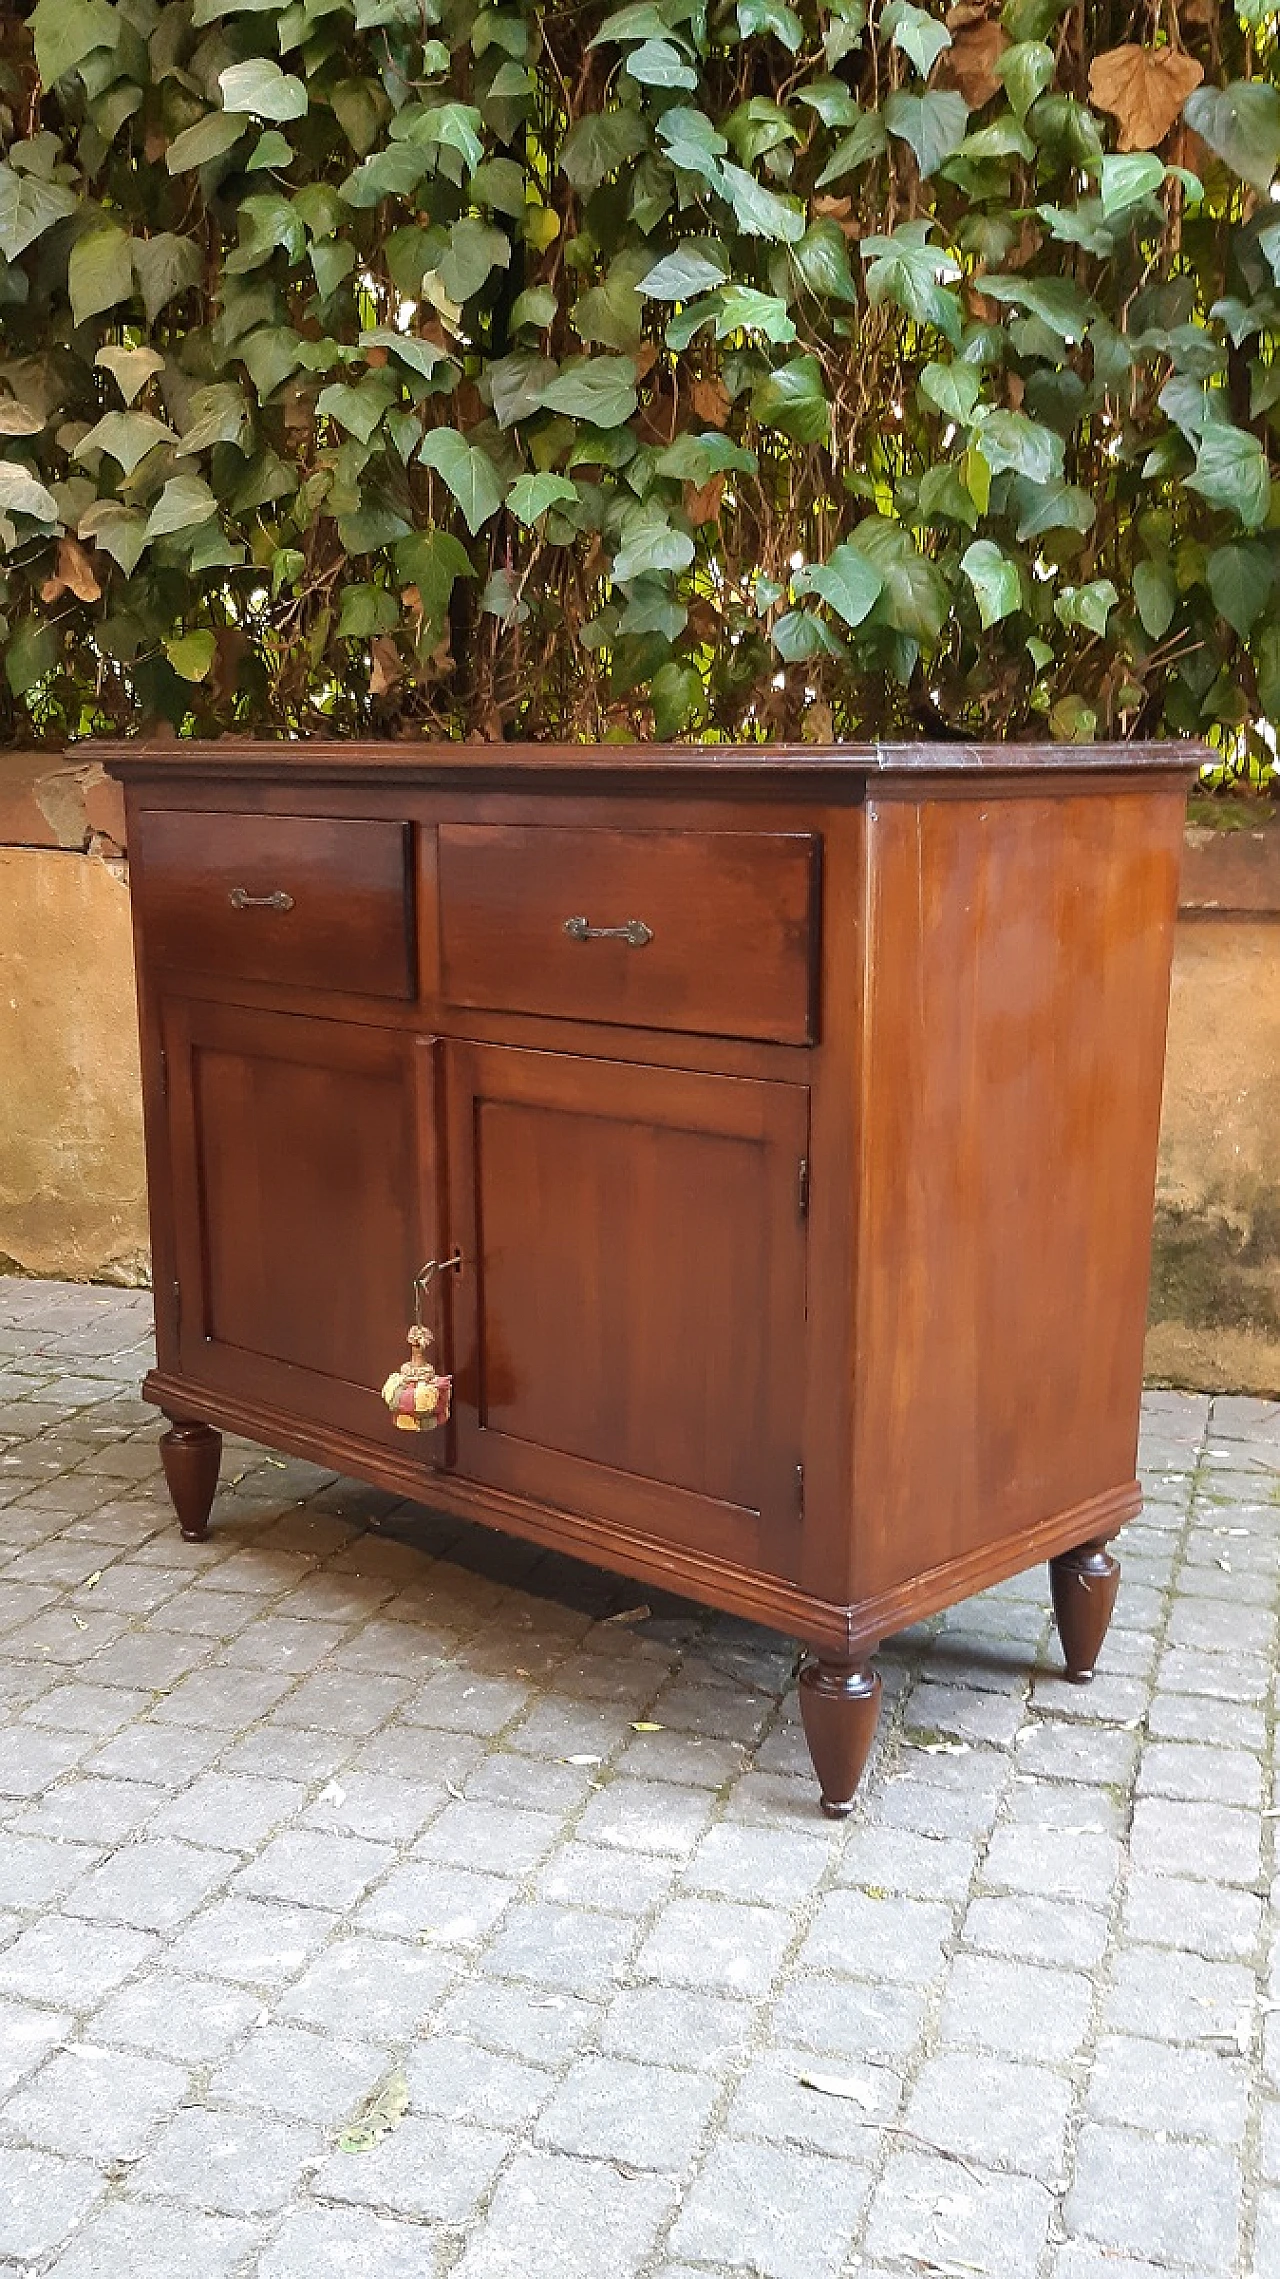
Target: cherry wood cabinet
<point>784,1121</point>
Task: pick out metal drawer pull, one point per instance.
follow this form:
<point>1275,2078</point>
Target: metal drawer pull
<point>241,899</point>
<point>635,931</point>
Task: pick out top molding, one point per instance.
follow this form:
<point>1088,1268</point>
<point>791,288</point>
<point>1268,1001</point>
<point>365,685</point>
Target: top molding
<point>762,765</point>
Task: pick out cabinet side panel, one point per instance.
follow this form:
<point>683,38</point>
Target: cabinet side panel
<point>1017,996</point>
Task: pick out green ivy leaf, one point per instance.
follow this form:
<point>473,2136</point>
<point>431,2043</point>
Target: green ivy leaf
<point>793,400</point>
<point>66,31</point>
<point>21,492</point>
<point>832,101</point>
<point>601,389</point>
<point>649,542</point>
<point>868,140</point>
<point>952,389</point>
<point>847,580</point>
<point>1241,124</point>
<point>1026,68</point>
<point>537,306</point>
<point>1055,505</point>
<point>1089,606</point>
<point>599,144</point>
<point>191,654</point>
<point>1240,579</point>
<point>28,207</point>
<point>366,610</point>
<point>184,503</point>
<point>164,267</point>
<point>656,63</point>
<point>822,260</point>
<point>100,271</point>
<point>677,695</point>
<point>997,587</point>
<point>800,634</point>
<point>359,408</point>
<point>263,89</point>
<point>774,17</point>
<point>690,270</point>
<point>530,496</point>
<point>1155,594</point>
<point>117,530</point>
<point>30,655</point>
<point>127,436</point>
<point>210,137</point>
<point>935,125</point>
<point>919,35</point>
<point>475,250</point>
<point>433,561</point>
<point>907,270</point>
<point>760,212</point>
<point>421,356</point>
<point>915,601</point>
<point>696,458</point>
<point>1010,440</point>
<point>468,471</point>
<point>1128,178</point>
<point>216,414</point>
<point>1231,472</point>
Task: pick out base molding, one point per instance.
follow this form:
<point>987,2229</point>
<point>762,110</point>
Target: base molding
<point>850,1629</point>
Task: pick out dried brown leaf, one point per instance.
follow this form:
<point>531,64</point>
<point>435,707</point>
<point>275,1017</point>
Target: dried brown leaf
<point>970,63</point>
<point>76,571</point>
<point>1145,89</point>
<point>710,400</point>
<point>702,500</point>
<point>385,667</point>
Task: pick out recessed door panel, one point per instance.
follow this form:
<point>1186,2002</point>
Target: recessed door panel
<point>299,1154</point>
<point>629,1320</point>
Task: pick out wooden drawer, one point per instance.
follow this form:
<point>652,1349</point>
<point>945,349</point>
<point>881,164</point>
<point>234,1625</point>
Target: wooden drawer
<point>298,900</point>
<point>722,925</point>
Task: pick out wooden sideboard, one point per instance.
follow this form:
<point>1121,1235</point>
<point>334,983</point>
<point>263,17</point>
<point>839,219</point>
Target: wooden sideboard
<point>785,1120</point>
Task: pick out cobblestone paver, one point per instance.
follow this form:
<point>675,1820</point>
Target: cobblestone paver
<point>357,1809</point>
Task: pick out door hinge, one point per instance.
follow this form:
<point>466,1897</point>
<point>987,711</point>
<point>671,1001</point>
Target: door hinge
<point>800,1489</point>
<point>164,1074</point>
<point>803,1187</point>
<point>177,1305</point>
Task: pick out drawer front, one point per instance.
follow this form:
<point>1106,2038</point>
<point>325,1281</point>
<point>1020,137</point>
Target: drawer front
<point>707,931</point>
<point>298,900</point>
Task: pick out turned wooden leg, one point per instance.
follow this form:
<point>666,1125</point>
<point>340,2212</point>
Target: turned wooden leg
<point>191,1454</point>
<point>839,1703</point>
<point>1084,1583</point>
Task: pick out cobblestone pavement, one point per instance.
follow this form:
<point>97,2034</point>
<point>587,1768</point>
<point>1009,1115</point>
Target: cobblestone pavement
<point>355,1811</point>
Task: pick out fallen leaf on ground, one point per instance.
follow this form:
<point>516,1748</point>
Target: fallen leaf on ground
<point>583,1760</point>
<point>385,2109</point>
<point>627,1614</point>
<point>645,1725</point>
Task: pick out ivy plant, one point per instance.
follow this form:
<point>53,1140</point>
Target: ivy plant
<point>727,368</point>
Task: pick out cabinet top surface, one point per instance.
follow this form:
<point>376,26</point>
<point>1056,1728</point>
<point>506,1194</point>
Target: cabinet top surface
<point>764,765</point>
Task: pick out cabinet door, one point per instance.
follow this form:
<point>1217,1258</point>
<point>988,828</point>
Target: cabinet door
<point>629,1320</point>
<point>301,1167</point>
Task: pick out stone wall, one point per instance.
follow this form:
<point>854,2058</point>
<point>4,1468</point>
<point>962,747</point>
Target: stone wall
<point>72,1192</point>
<point>72,1188</point>
<point>1215,1284</point>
